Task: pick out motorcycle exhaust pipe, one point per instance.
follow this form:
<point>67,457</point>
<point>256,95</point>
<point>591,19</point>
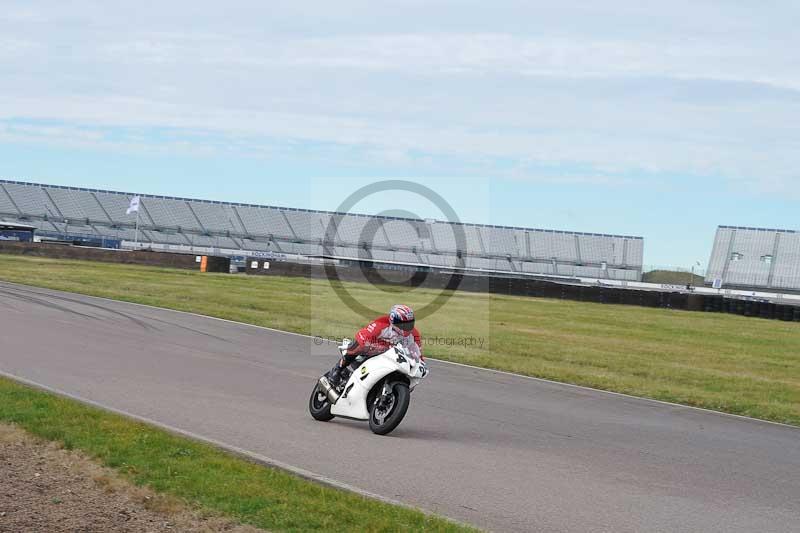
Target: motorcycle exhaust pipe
<point>326,387</point>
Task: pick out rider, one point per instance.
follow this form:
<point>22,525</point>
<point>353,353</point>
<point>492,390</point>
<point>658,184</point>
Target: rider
<point>380,335</point>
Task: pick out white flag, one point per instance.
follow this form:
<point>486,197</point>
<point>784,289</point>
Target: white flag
<point>134,207</point>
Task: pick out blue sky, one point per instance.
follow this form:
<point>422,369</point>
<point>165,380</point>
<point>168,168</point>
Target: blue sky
<point>657,121</point>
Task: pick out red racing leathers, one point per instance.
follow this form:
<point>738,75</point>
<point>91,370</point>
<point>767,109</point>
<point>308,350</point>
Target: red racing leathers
<point>379,336</point>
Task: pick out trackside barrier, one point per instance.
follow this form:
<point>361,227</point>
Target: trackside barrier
<point>535,287</point>
<point>139,257</point>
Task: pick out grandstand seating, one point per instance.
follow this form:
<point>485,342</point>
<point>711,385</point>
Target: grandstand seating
<point>406,257</point>
<point>216,217</point>
<point>243,228</point>
<point>6,205</point>
<point>69,204</point>
<point>32,200</point>
<point>474,240</point>
<point>354,230</point>
<point>553,245</point>
<point>309,226</point>
<point>402,233</point>
<point>443,237</point>
<point>755,258</point>
<point>171,213</point>
<point>116,205</point>
<point>260,221</point>
<point>787,268</point>
<point>480,263</point>
<point>499,241</point>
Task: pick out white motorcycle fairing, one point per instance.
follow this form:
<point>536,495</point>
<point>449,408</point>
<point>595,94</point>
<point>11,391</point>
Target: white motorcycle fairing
<point>353,402</point>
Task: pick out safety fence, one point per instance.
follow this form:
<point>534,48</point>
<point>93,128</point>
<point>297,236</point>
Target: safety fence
<point>540,288</point>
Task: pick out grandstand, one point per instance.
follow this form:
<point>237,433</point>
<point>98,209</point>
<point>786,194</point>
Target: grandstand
<point>202,226</point>
<point>755,258</point>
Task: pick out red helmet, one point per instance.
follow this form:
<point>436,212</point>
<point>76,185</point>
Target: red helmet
<point>402,316</point>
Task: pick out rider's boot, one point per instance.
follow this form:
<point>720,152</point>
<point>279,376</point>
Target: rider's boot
<point>335,374</point>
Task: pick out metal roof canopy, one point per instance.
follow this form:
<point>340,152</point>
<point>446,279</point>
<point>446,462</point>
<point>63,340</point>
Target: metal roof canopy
<point>770,230</point>
<point>15,226</point>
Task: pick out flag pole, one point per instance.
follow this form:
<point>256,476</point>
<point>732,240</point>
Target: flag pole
<point>136,238</point>
<point>131,208</point>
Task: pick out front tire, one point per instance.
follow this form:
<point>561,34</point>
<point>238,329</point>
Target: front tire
<point>319,406</point>
<point>385,414</point>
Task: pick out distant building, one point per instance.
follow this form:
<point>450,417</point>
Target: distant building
<point>12,231</point>
<point>755,258</point>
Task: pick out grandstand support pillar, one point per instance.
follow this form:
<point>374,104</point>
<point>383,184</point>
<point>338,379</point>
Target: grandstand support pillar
<point>197,218</point>
<point>528,252</point>
<point>289,225</point>
<point>10,199</point>
<point>773,264</point>
<point>480,240</point>
<point>433,240</point>
<point>55,205</point>
<point>239,219</point>
<point>103,209</point>
<point>624,252</point>
<point>731,244</point>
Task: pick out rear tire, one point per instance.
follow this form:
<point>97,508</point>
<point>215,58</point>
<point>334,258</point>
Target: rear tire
<point>319,406</point>
<point>384,419</point>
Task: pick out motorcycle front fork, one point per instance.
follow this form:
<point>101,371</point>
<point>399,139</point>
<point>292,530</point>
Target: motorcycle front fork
<point>382,398</point>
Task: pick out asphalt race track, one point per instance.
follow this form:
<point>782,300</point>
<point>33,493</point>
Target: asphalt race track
<point>502,452</point>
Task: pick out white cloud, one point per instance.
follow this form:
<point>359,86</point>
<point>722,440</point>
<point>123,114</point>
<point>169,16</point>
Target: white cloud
<point>677,88</point>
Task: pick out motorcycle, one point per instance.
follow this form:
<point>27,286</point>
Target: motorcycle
<point>377,389</point>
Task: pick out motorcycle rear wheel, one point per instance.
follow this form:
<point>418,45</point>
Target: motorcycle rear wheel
<point>319,406</point>
<point>383,419</point>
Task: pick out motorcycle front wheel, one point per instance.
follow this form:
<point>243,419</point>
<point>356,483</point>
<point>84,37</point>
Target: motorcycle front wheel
<point>319,406</point>
<point>386,412</point>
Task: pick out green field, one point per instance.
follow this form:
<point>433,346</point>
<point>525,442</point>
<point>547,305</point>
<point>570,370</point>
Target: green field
<point>724,362</point>
<point>208,479</point>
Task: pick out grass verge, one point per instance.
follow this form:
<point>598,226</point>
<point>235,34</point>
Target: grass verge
<point>203,476</point>
<point>722,362</point>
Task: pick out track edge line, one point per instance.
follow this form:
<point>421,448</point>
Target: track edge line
<point>229,448</point>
